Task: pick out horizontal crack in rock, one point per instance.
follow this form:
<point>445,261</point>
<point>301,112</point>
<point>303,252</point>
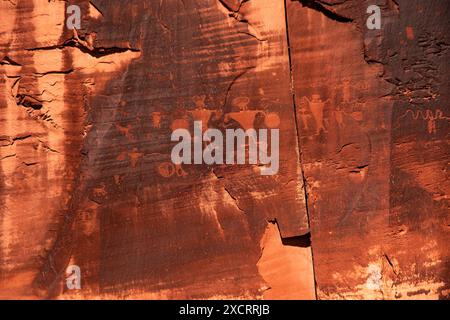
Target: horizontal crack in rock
<point>319,6</point>
<point>97,52</point>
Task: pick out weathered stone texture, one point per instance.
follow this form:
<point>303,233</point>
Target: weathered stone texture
<point>85,171</point>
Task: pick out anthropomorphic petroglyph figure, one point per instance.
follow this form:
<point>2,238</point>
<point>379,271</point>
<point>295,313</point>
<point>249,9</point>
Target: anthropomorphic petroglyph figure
<point>244,116</point>
<point>199,101</point>
<point>303,112</point>
<point>430,116</point>
<point>346,90</point>
<point>316,105</point>
<point>339,117</point>
<point>89,41</point>
<point>202,115</point>
<point>156,120</point>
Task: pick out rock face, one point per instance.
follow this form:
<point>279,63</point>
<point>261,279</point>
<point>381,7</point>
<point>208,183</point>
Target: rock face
<point>359,208</point>
<point>373,121</point>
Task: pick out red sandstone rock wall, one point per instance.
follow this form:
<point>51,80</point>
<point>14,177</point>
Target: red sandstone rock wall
<point>358,210</point>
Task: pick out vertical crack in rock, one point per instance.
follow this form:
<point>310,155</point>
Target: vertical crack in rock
<point>300,154</point>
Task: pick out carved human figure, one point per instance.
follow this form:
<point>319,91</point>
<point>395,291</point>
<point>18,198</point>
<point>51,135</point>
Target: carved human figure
<point>346,91</point>
<point>202,115</point>
<point>339,117</point>
<point>156,120</point>
<point>244,116</point>
<point>316,106</point>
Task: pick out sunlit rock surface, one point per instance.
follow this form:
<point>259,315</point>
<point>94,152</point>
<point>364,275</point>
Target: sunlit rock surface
<point>359,208</point>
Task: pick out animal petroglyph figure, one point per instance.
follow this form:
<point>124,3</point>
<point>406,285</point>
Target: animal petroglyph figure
<point>168,169</point>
